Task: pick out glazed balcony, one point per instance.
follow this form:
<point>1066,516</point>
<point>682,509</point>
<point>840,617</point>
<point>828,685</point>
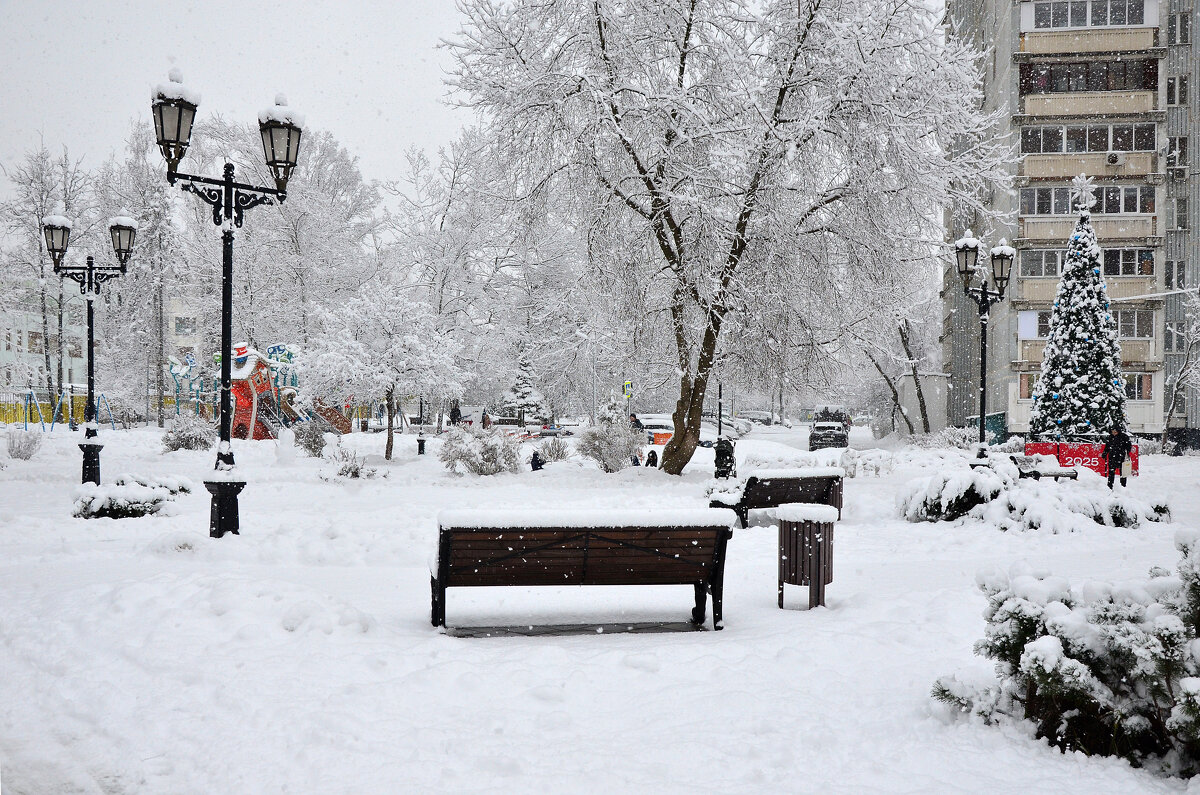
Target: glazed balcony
<point>1090,103</point>
<point>1073,42</point>
<point>1067,166</point>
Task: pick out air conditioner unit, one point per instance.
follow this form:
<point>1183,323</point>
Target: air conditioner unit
<point>1177,173</point>
<point>1115,159</point>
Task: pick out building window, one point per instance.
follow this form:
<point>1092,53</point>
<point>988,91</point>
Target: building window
<point>1060,78</point>
<point>1177,214</point>
<point>1177,90</point>
<point>1139,386</point>
<point>1179,28</point>
<point>1041,262</point>
<point>1046,139</point>
<point>1027,382</point>
<point>1043,324</point>
<point>1085,13</point>
<point>185,326</point>
<point>34,341</point>
<point>75,314</point>
<point>1174,277</point>
<point>1129,262</point>
<point>1173,339</point>
<point>1135,323</point>
<point>1110,199</point>
<point>8,340</point>
<point>75,349</point>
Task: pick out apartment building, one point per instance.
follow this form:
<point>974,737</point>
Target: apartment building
<point>1104,88</point>
<point>22,350</point>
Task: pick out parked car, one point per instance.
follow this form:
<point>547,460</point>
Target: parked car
<point>761,417</point>
<point>826,433</point>
<point>663,424</point>
<point>555,430</point>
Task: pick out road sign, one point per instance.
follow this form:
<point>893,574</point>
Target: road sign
<point>628,390</point>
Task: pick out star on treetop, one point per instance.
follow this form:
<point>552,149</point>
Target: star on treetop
<point>1081,190</point>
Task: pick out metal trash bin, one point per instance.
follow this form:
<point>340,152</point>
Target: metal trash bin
<point>420,446</point>
<point>362,426</point>
<point>806,548</point>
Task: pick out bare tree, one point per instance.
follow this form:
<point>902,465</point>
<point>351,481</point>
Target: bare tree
<point>727,136</point>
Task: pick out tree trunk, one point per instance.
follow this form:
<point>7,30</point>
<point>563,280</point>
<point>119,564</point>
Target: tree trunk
<point>162,346</point>
<point>690,407</point>
<point>1178,388</point>
<point>895,394</point>
<point>58,347</point>
<point>912,362</point>
<point>46,341</point>
<point>390,398</point>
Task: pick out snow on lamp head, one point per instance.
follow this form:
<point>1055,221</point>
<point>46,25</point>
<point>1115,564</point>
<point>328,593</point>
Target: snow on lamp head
<point>280,128</point>
<point>122,229</point>
<point>1002,260</point>
<point>57,231</point>
<point>966,253</point>
<point>174,106</point>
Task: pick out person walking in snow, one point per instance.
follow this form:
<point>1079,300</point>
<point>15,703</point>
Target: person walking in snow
<point>1116,450</point>
<point>636,425</point>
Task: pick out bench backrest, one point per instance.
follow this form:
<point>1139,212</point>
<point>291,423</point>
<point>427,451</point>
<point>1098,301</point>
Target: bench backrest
<point>579,555</point>
<point>772,492</point>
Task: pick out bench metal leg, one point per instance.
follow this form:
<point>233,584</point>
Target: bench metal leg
<point>701,600</point>
<point>781,594</point>
<point>743,514</point>
<point>717,589</point>
<point>438,597</point>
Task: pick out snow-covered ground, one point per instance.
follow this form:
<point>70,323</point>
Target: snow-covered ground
<point>139,656</point>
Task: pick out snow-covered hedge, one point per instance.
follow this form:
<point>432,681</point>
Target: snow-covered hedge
<point>189,433</point>
<point>999,498</point>
<point>1102,668</point>
<point>23,444</point>
<point>961,438</point>
<point>480,452</point>
<point>349,465</point>
<point>612,445</point>
<point>952,493</point>
<point>172,483</point>
<point>123,501</point>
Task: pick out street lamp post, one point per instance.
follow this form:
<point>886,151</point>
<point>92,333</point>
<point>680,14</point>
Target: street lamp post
<point>174,108</point>
<point>89,277</point>
<point>966,252</point>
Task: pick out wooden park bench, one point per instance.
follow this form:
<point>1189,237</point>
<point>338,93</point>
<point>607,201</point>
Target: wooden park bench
<point>597,547</point>
<point>770,488</point>
<point>1042,466</point>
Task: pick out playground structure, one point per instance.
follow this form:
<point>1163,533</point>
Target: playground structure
<point>33,407</point>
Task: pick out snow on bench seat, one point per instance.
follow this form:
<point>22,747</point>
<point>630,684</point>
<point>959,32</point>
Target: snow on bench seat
<point>466,518</point>
<point>798,472</point>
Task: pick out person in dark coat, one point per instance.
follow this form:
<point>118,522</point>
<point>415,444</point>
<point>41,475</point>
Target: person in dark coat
<point>536,462</point>
<point>1116,450</point>
<point>636,424</point>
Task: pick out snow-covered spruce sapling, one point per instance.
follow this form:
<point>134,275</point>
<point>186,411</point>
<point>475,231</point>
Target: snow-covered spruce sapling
<point>1080,391</point>
<point>1102,668</point>
<point>523,399</point>
<point>310,437</point>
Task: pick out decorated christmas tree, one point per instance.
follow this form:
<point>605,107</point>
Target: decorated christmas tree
<point>1080,391</point>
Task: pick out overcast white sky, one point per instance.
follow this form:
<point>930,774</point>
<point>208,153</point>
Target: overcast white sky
<point>79,73</point>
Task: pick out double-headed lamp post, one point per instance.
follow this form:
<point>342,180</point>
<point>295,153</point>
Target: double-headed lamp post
<point>966,252</point>
<point>174,109</point>
<point>89,277</point>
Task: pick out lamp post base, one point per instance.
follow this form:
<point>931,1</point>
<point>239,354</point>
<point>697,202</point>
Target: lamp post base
<point>91,461</point>
<point>223,517</point>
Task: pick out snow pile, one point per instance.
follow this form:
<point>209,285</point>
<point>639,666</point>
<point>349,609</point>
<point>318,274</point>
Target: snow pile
<point>280,112</point>
<point>780,457</point>
<point>806,512</point>
<point>480,452</point>
<point>125,501</point>
<point>124,219</point>
<point>1099,667</point>
<point>173,484</point>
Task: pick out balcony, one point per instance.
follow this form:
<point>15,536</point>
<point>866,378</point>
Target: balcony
<point>1058,228</point>
<point>1142,352</point>
<point>1073,42</point>
<point>1129,286</point>
<point>1067,166</point>
<point>1091,103</point>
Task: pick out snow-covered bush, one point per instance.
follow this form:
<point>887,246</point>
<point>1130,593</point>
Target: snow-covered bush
<point>999,498</point>
<point>189,433</point>
<point>952,493</point>
<point>962,438</point>
<point>310,437</point>
<point>172,483</point>
<point>119,501</point>
<point>480,452</point>
<point>554,449</point>
<point>1102,668</point>
<point>612,445</point>
<point>349,465</point>
<point>23,444</point>
<point>1149,445</point>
